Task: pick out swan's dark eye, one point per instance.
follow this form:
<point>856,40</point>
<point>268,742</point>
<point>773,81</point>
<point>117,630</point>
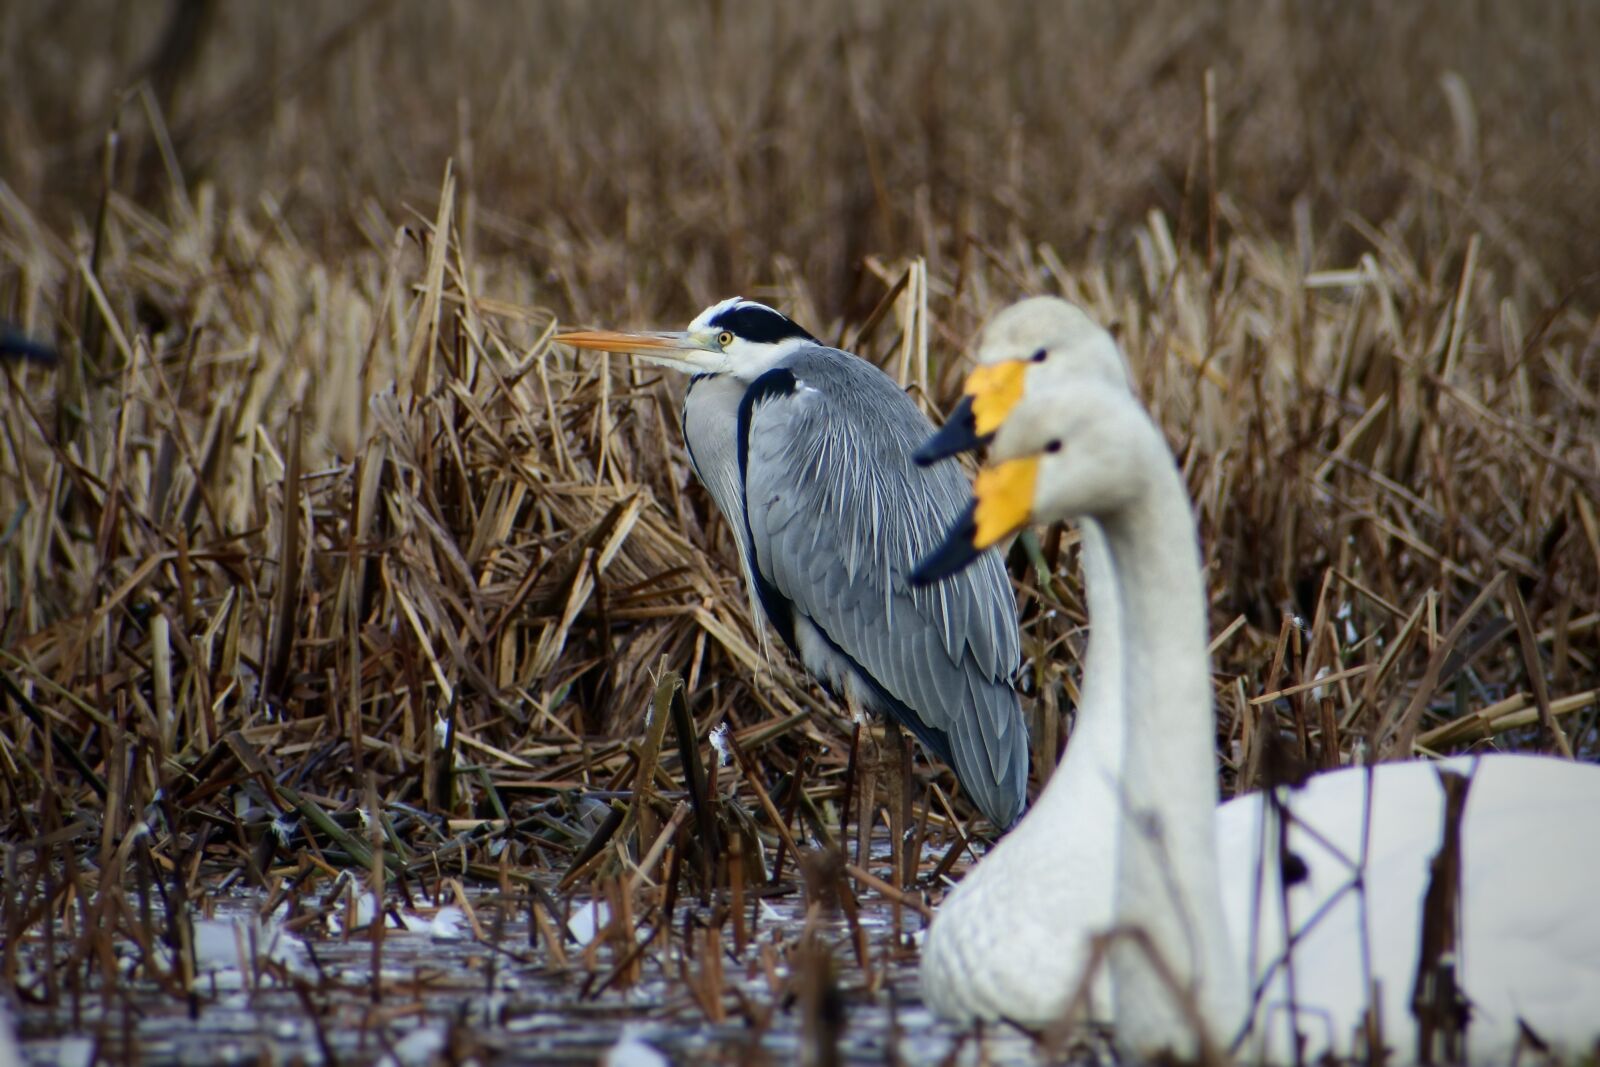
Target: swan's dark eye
<point>1053,446</point>
<point>1038,357</point>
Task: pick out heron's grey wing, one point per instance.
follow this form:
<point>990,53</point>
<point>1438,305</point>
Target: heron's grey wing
<point>838,514</point>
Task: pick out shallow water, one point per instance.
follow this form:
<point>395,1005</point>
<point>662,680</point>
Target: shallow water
<point>500,999</point>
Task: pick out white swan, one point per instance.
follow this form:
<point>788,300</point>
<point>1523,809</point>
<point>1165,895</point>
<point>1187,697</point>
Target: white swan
<point>1199,882</point>
<point>1012,939</point>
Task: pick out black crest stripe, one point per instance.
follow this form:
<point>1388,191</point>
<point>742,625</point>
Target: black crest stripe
<point>759,323</point>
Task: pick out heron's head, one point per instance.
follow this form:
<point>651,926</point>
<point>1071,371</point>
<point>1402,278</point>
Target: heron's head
<point>736,336</point>
<point>1071,450</point>
<point>1034,344</point>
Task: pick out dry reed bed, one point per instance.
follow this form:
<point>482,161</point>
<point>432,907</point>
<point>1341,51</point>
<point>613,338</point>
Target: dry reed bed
<point>322,532</point>
<point>306,539</point>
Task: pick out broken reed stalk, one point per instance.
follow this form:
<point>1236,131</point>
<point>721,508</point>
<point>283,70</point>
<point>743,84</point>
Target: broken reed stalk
<point>660,715</point>
<point>1436,998</point>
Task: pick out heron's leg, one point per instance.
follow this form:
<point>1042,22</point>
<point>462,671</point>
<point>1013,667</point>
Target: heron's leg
<point>908,797</point>
<point>868,760</point>
<point>896,775</point>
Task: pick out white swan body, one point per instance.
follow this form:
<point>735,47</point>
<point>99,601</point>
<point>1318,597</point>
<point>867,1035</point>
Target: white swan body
<point>1532,940</point>
<point>1012,939</point>
<point>1186,871</point>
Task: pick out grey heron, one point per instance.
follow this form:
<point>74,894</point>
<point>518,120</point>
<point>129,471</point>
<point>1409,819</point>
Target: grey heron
<point>807,452</point>
<point>1286,962</point>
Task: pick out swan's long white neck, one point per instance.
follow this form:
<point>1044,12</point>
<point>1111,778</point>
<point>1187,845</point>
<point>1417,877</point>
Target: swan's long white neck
<point>1097,737</point>
<point>1167,876</point>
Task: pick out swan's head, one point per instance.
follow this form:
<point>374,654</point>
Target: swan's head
<point>1079,449</point>
<point>1033,345</point>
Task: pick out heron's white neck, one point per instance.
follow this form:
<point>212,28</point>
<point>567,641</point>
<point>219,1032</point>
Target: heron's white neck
<point>749,360</point>
<point>1167,876</point>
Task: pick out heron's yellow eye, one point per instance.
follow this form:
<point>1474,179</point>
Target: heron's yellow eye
<point>725,338</point>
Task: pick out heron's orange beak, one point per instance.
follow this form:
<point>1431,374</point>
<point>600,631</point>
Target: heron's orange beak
<point>622,341</point>
<point>676,349</point>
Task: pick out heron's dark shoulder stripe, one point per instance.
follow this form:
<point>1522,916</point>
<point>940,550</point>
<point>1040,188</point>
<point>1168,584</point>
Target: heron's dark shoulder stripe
<point>759,323</point>
<point>777,382</point>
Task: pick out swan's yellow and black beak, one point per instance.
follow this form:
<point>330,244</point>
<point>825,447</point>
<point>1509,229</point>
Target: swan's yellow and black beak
<point>989,394</point>
<point>1002,502</point>
<point>958,434</point>
<point>677,349</point>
